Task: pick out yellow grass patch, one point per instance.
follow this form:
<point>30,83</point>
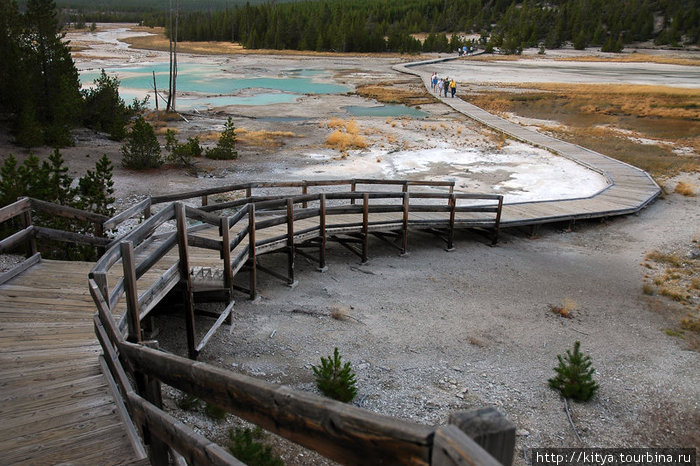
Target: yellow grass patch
<point>389,93</point>
<point>685,189</point>
<point>343,141</point>
<point>263,138</point>
<point>635,58</point>
<point>677,278</point>
<point>607,118</point>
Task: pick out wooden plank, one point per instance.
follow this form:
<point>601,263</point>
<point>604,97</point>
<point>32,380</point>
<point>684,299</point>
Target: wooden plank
<point>196,449</point>
<point>19,269</point>
<point>132,434</point>
<point>216,325</point>
<point>490,429</point>
<point>67,212</point>
<point>336,430</point>
<point>126,214</point>
<point>452,447</point>
<point>15,239</point>
<point>15,209</point>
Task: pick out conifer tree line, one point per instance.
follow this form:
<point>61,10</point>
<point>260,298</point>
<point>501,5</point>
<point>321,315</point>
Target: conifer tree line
<point>387,25</point>
<point>40,91</point>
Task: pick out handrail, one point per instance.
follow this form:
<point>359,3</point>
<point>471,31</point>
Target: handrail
<point>339,431</point>
<point>248,187</point>
<point>353,432</point>
<point>28,234</point>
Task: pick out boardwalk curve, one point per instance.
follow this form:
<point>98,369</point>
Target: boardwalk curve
<point>57,404</point>
<point>629,189</point>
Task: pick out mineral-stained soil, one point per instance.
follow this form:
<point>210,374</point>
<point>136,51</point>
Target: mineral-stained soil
<point>435,332</point>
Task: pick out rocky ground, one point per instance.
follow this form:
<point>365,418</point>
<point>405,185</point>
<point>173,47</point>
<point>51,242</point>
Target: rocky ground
<point>436,332</point>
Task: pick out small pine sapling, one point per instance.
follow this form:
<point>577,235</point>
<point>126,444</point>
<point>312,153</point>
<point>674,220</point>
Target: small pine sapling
<point>335,379</point>
<point>244,446</point>
<point>574,377</point>
<point>226,147</point>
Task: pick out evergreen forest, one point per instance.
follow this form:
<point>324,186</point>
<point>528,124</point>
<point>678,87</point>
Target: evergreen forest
<point>389,25</point>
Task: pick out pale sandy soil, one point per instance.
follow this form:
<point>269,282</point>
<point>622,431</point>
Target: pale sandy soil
<point>435,332</point>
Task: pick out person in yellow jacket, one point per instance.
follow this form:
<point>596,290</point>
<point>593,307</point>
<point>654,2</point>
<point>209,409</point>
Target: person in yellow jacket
<point>453,87</point>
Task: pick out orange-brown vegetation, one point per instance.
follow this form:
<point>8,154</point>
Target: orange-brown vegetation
<point>610,118</point>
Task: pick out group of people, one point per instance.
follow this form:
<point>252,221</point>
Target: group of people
<point>440,85</point>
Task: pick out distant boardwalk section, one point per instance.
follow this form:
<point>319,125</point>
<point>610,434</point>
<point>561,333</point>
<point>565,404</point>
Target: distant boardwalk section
<point>629,189</point>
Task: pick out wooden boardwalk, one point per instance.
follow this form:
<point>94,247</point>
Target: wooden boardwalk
<point>629,189</point>
<point>55,404</point>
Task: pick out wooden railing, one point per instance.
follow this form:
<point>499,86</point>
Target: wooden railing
<point>251,226</point>
<point>21,211</point>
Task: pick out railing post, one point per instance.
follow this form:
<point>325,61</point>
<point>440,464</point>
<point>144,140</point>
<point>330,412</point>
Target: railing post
<point>100,279</point>
<point>497,225</point>
<point>404,235</point>
<point>27,222</point>
<point>451,231</point>
<point>205,200</point>
<point>290,242</point>
<point>226,256</point>
<point>251,251</point>
<point>152,393</point>
<point>132,297</point>
<point>304,192</point>
<point>365,226</point>
<point>490,429</point>
<point>185,279</point>
<point>322,233</point>
<point>353,187</point>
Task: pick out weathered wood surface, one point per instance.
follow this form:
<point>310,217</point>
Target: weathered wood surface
<point>337,430</point>
<point>54,401</point>
<point>629,188</point>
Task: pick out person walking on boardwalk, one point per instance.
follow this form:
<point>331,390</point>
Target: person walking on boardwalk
<point>433,81</point>
<point>440,84</point>
<point>446,86</point>
<point>453,87</point>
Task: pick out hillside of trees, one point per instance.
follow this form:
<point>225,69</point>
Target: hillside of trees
<point>41,99</point>
<point>387,25</point>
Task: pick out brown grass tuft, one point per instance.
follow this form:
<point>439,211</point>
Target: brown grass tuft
<point>343,141</point>
<point>566,309</point>
<point>391,94</point>
<point>684,189</point>
<point>263,138</point>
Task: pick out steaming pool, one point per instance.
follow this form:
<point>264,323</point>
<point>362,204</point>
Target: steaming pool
<point>202,86</point>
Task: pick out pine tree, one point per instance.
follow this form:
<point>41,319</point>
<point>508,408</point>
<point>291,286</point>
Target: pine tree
<point>335,379</point>
<point>574,377</point>
<point>226,147</point>
<point>141,149</point>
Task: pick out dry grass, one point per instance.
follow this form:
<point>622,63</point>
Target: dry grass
<point>392,94</point>
<point>566,309</point>
<point>263,138</point>
<point>635,58</point>
<point>677,278</point>
<point>343,141</point>
<point>611,119</point>
<point>672,259</point>
<point>684,189</point>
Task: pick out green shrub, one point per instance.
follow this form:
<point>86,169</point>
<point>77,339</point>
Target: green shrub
<point>226,147</point>
<point>49,181</point>
<point>182,154</point>
<point>188,402</point>
<point>574,377</point>
<point>214,412</point>
<point>244,446</point>
<point>141,149</point>
<point>334,379</point>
